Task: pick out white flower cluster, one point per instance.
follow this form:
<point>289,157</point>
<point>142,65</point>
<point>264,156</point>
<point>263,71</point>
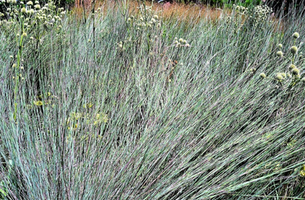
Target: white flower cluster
<point>146,19</point>
<point>257,15</point>
<point>240,9</point>
<point>32,15</point>
<point>261,13</point>
<point>293,74</point>
<point>146,24</point>
<point>181,42</point>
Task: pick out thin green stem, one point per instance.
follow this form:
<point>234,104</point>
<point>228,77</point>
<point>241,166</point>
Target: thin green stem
<point>17,69</point>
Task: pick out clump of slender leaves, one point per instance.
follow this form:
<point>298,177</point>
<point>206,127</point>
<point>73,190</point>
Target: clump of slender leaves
<point>144,108</point>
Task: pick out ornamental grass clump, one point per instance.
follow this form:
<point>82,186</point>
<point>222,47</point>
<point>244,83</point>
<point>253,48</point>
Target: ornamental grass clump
<point>21,22</point>
<point>111,124</point>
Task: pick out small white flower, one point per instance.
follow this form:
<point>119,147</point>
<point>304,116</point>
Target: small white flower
<point>294,49</point>
<point>280,46</point>
<point>280,53</point>
<point>23,10</point>
<point>296,35</point>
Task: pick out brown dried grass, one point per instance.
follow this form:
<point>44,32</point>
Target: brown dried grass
<point>166,10</point>
<point>191,14</point>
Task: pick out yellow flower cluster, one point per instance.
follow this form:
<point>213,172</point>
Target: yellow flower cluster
<point>77,118</point>
<point>44,100</point>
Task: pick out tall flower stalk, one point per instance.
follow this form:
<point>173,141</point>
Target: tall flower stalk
<point>17,68</point>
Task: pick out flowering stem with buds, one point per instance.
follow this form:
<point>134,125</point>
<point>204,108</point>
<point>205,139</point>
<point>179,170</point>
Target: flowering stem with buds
<point>17,69</point>
<point>93,26</point>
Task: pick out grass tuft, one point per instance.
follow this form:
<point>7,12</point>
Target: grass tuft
<point>134,104</point>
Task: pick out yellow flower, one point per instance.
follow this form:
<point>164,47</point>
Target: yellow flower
<point>105,118</point>
<point>76,116</point>
<point>88,105</point>
<point>302,173</point>
<point>73,127</point>
<point>38,103</point>
<point>100,118</point>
